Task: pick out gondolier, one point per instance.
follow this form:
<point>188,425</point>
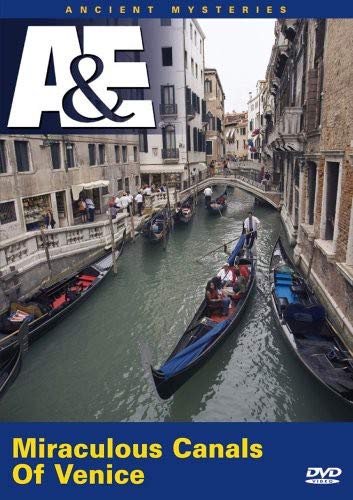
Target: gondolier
<point>251,225</point>
<point>208,195</point>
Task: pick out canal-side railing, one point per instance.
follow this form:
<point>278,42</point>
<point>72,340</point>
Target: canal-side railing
<point>28,250</point>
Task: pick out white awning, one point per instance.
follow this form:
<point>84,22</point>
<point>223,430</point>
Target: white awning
<point>228,133</point>
<point>232,134</point>
<point>77,188</point>
<point>162,169</point>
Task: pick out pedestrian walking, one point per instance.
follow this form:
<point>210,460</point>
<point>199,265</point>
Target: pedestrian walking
<point>251,225</point>
<point>49,219</point>
<point>139,202</point>
<point>91,209</point>
<point>82,208</point>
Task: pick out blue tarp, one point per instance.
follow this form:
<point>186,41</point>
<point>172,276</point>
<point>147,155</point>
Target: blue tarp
<point>236,250</point>
<point>190,353</point>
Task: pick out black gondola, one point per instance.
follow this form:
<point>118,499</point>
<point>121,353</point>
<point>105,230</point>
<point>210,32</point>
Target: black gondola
<point>50,304</point>
<point>218,205</point>
<point>205,333</point>
<point>306,327</point>
<point>157,228</point>
<point>185,211</point>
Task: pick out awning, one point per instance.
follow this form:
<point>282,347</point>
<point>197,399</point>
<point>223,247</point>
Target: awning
<point>229,131</point>
<point>231,137</point>
<point>162,169</point>
<point>77,188</point>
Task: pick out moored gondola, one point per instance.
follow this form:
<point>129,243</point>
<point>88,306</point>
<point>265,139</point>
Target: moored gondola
<point>206,331</point>
<point>218,205</point>
<point>306,327</point>
<point>157,228</point>
<point>50,304</point>
<point>185,211</point>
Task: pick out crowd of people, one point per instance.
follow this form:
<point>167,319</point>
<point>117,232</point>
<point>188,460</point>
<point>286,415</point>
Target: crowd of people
<point>228,286</point>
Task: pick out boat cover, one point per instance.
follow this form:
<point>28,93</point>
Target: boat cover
<point>183,358</point>
<point>239,245</point>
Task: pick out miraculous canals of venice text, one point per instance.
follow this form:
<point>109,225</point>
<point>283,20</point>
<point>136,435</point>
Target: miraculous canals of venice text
<point>57,456</point>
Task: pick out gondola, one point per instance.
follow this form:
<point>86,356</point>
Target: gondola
<point>306,327</point>
<point>205,333</point>
<point>157,228</point>
<point>185,211</point>
<point>12,367</point>
<point>49,305</point>
<point>218,205</point>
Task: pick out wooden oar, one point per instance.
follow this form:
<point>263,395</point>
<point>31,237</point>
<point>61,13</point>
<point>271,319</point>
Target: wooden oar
<point>224,245</point>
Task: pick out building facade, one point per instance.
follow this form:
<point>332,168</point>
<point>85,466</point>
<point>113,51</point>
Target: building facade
<point>256,121</point>
<point>236,135</point>
<point>41,172</point>
<point>175,151</point>
<point>214,96</point>
<point>310,138</point>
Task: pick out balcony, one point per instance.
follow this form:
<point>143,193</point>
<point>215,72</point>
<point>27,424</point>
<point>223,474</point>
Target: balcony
<point>168,109</point>
<point>290,122</point>
<point>170,154</point>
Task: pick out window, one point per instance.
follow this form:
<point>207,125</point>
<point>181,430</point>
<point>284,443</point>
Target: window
<point>124,153</point>
<point>330,200</point>
<point>143,141</point>
<point>311,191</point>
<point>69,153</point>
<point>137,180</point>
<point>195,36</point>
<point>201,76</point>
<point>92,154</point>
<point>190,31</point>
<point>117,153</point>
<point>167,56</point>
<point>101,153</point>
<point>194,133</point>
<point>208,86</point>
<point>209,148</point>
<point>7,212</point>
<point>55,155</point>
<point>126,184</point>
<point>120,184</point>
<point>192,66</point>
<point>22,156</point>
<point>166,22</point>
<point>188,138</point>
<point>186,60</point>
<point>169,141</point>
<point>196,70</point>
<point>135,155</point>
<point>200,46</point>
<point>3,161</point>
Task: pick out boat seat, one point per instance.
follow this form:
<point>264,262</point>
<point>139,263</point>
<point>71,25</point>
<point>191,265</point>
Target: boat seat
<point>298,289</point>
<point>86,277</point>
<point>283,302</point>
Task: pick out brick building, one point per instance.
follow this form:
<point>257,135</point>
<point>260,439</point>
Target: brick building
<point>236,134</point>
<point>214,96</point>
<point>310,139</point>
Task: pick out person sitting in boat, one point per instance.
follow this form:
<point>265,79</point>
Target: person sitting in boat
<point>221,200</point>
<point>226,274</point>
<point>215,300</point>
<point>239,286</point>
<point>243,269</point>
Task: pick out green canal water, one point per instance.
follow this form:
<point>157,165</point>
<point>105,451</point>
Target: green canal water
<point>88,368</point>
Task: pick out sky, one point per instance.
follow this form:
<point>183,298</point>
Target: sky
<point>240,50</point>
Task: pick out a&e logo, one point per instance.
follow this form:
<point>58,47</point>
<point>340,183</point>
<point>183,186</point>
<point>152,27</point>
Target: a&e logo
<point>318,475</point>
<point>87,80</point>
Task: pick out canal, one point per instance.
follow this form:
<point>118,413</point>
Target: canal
<point>88,368</point>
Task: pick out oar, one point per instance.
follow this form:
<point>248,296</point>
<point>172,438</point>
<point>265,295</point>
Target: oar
<point>224,245</point>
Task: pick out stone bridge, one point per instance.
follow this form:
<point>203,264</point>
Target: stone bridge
<point>259,190</point>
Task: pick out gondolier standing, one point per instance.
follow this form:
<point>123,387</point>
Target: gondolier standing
<point>208,194</point>
<point>251,225</point>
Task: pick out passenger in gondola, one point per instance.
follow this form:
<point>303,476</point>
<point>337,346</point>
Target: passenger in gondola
<point>226,275</point>
<point>215,300</point>
<point>239,286</point>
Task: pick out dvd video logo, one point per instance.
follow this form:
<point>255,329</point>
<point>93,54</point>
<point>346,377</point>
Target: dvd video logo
<point>84,81</point>
<point>317,475</point>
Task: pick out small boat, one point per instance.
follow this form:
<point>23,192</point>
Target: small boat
<point>306,327</point>
<point>157,228</point>
<point>218,205</point>
<point>207,330</point>
<point>184,213</point>
<point>50,304</point>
